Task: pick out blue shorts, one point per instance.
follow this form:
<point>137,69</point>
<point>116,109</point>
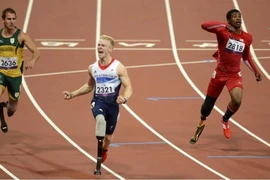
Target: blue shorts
<point>109,111</point>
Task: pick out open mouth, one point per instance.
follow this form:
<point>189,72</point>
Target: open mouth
<point>238,23</point>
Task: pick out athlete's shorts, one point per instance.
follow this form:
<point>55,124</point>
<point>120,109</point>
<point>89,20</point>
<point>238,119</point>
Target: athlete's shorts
<point>109,111</point>
<point>220,79</point>
<point>13,84</point>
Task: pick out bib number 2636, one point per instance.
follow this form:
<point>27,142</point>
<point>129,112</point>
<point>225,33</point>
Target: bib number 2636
<point>8,63</point>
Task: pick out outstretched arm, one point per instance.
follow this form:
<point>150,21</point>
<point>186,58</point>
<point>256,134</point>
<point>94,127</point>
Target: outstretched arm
<point>124,78</point>
<point>85,89</point>
<point>213,26</point>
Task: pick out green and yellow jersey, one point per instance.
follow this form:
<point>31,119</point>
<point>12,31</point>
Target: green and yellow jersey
<point>11,55</point>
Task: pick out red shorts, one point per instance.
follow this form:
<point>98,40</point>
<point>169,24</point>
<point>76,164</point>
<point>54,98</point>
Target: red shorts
<point>220,79</point>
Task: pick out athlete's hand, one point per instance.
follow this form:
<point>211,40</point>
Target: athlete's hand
<point>121,100</point>
<point>258,76</point>
<point>230,28</point>
<point>67,95</point>
<point>30,65</point>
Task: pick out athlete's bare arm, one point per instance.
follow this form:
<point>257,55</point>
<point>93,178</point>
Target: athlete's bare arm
<point>24,38</point>
<point>85,89</point>
<point>125,80</point>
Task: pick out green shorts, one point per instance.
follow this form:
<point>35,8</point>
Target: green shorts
<point>13,84</point>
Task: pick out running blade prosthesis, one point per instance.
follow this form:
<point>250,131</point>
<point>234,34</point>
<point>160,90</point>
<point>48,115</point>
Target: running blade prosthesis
<point>99,155</point>
<point>97,172</point>
<point>197,134</point>
<point>98,166</point>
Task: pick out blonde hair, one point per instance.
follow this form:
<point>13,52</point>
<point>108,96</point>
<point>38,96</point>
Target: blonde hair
<point>109,38</point>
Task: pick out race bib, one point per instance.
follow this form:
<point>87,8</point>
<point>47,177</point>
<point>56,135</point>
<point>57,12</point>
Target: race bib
<point>104,89</point>
<point>235,46</point>
<point>214,74</point>
<point>8,62</point>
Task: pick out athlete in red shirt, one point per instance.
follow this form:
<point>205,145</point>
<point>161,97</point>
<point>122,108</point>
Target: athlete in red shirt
<point>233,45</point>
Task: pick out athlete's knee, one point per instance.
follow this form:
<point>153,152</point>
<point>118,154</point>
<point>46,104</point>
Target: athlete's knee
<point>207,106</point>
<point>236,97</point>
<point>100,125</point>
<point>11,109</point>
<point>10,112</point>
<point>236,102</point>
<point>108,138</point>
<point>2,90</point>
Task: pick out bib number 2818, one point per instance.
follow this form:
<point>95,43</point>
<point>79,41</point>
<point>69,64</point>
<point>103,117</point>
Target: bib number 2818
<point>235,46</point>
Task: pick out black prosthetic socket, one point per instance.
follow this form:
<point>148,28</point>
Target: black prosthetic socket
<point>207,107</point>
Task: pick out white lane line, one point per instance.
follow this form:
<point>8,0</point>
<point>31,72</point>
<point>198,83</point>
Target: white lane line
<point>201,40</point>
<point>137,40</point>
<point>8,172</point>
<point>44,115</point>
<point>136,49</point>
<point>98,23</point>
<point>235,3</point>
<point>265,40</point>
<point>129,67</point>
<point>265,57</point>
<point>177,59</point>
<point>59,40</point>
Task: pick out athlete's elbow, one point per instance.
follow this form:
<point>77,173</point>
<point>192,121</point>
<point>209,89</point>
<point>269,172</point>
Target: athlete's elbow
<point>129,91</point>
<point>87,88</point>
<point>203,26</point>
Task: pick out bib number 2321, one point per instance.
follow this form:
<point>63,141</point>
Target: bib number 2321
<point>104,89</point>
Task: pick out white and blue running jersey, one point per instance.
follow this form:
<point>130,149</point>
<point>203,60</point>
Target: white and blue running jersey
<point>107,81</point>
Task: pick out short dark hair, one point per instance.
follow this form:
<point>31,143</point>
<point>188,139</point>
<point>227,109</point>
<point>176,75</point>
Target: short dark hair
<point>229,13</point>
<point>8,10</point>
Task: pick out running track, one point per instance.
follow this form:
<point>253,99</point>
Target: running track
<point>34,148</point>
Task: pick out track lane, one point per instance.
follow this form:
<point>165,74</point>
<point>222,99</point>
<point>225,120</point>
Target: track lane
<point>72,128</point>
<point>235,146</point>
<point>37,151</point>
<point>53,102</point>
<point>80,120</point>
<point>164,78</point>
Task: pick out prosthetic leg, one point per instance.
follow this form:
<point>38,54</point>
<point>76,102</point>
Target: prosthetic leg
<point>99,155</point>
<point>206,109</point>
<point>100,134</point>
<point>197,134</point>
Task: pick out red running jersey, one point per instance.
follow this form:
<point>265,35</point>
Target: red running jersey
<point>231,47</point>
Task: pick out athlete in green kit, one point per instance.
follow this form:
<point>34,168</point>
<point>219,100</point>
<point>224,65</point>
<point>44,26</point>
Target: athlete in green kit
<point>12,42</point>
